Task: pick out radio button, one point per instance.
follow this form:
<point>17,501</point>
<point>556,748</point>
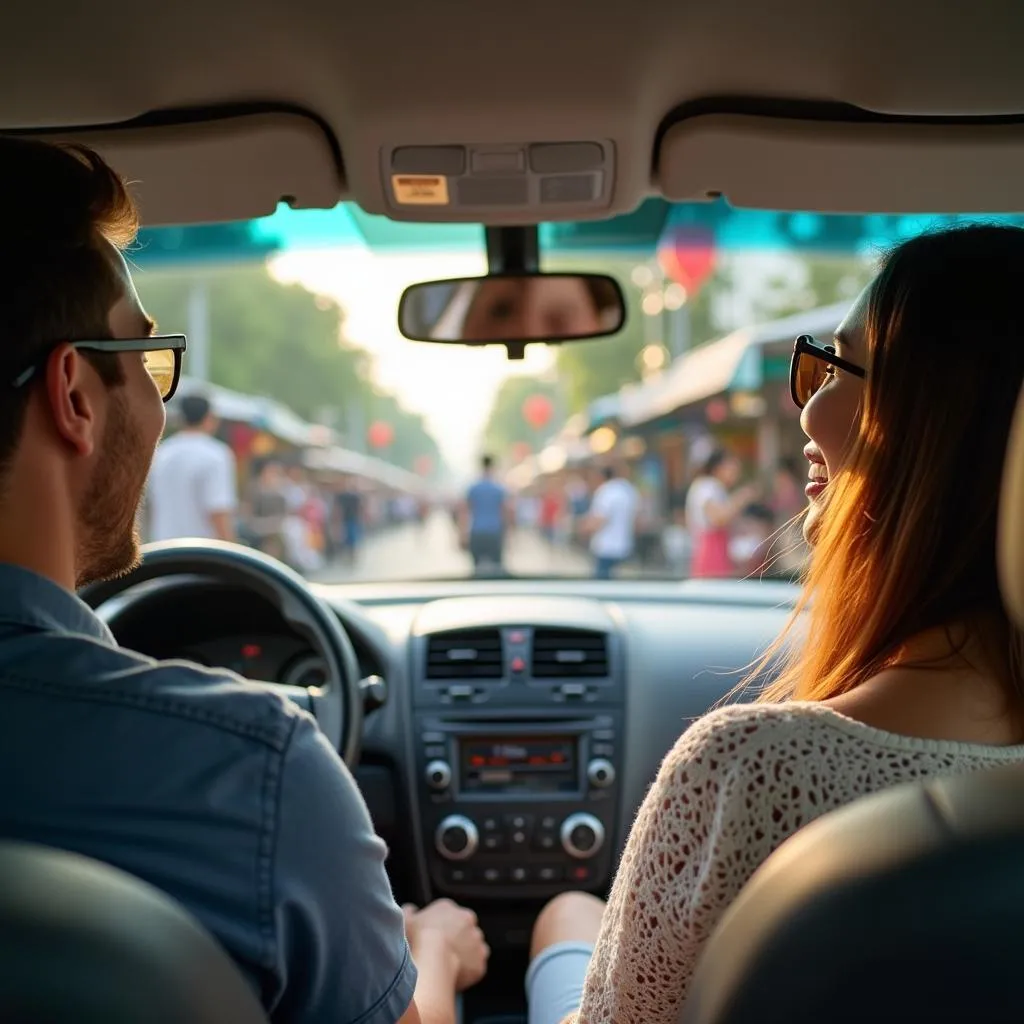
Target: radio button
<point>493,842</point>
<point>582,835</point>
<point>601,773</point>
<point>603,734</point>
<point>580,873</point>
<point>549,873</point>
<point>438,775</point>
<point>603,750</point>
<point>458,875</point>
<point>549,823</point>
<point>519,874</point>
<point>456,838</point>
<point>436,750</point>
<point>493,874</point>
<point>546,842</point>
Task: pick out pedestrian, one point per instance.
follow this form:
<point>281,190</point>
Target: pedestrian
<point>485,516</point>
<point>193,485</point>
<point>611,522</point>
<point>711,511</point>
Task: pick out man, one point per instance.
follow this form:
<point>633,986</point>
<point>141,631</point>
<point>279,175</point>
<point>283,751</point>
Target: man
<point>612,522</point>
<point>485,516</point>
<point>193,486</point>
<point>225,796</point>
<point>348,518</point>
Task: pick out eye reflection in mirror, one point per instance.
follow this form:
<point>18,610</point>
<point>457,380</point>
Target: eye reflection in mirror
<point>512,308</point>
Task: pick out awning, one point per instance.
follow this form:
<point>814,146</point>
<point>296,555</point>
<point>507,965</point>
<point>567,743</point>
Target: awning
<point>732,363</point>
<point>260,413</point>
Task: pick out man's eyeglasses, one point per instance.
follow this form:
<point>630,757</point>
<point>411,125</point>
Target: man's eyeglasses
<point>812,365</point>
<point>161,352</point>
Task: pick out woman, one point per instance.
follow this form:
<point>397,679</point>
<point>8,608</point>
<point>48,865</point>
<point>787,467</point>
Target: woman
<point>711,511</point>
<point>905,664</point>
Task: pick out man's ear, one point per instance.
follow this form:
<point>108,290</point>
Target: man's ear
<point>70,391</point>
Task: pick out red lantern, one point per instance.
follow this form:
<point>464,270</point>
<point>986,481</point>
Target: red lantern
<point>380,434</point>
<point>537,411</point>
<point>687,255</point>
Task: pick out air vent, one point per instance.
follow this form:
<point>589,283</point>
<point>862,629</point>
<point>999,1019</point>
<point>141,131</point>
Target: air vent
<point>465,654</point>
<point>569,654</point>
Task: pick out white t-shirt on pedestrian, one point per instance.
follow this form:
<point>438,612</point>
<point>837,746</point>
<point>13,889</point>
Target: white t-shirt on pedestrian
<point>193,477</point>
<point>703,490</point>
<point>617,503</point>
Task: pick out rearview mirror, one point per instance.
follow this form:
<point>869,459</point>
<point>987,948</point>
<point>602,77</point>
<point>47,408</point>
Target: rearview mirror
<point>512,309</point>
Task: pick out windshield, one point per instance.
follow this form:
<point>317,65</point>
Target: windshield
<point>357,455</point>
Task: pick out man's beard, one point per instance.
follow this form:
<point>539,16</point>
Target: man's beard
<point>108,533</point>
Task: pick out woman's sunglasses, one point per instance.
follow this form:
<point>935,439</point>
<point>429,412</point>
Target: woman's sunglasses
<point>161,352</point>
<point>812,365</point>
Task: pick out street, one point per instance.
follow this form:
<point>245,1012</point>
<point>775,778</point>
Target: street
<point>431,551</point>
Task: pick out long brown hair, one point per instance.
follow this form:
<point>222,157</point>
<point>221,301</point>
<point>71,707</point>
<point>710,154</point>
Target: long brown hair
<point>907,540</point>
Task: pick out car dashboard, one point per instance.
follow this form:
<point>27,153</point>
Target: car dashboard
<point>525,719</point>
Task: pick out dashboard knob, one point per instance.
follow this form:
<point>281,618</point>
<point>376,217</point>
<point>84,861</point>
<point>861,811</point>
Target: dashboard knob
<point>601,773</point>
<point>456,838</point>
<point>438,775</point>
<point>582,836</point>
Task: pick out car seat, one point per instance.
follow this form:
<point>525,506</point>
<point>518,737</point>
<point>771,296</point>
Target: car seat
<point>84,942</point>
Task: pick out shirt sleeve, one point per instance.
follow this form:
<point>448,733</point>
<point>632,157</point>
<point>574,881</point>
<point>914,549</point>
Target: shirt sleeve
<point>696,841</point>
<point>342,952</point>
<point>600,506</point>
<point>219,485</point>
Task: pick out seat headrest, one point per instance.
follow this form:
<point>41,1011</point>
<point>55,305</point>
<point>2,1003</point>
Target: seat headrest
<point>82,941</point>
<point>906,905</point>
<point>1011,520</point>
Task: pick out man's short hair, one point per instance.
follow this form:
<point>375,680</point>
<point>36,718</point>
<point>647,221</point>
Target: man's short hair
<point>58,205</point>
<point>487,462</point>
<point>195,409</point>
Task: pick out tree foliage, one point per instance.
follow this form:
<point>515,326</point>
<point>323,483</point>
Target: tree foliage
<point>284,342</point>
<point>507,426</point>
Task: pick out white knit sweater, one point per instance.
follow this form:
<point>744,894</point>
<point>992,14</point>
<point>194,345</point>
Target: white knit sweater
<point>737,783</point>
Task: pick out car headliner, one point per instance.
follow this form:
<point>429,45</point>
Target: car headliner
<point>850,104</point>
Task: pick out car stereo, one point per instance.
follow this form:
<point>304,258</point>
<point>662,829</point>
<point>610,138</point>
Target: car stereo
<point>518,764</point>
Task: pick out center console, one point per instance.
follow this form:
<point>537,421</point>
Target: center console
<point>518,749</point>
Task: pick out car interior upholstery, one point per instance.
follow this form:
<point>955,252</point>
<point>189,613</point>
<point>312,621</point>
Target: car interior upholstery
<point>221,110</point>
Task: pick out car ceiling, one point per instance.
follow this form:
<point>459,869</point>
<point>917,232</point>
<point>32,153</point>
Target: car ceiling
<point>220,108</point>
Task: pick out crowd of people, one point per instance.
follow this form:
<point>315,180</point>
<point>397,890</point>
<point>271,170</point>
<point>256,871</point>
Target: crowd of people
<point>717,527</point>
<point>305,519</point>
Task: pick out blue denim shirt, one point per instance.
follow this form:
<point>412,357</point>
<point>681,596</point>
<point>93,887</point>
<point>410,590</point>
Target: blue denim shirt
<point>225,796</point>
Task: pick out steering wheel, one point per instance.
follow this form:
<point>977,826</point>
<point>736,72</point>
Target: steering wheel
<point>338,704</point>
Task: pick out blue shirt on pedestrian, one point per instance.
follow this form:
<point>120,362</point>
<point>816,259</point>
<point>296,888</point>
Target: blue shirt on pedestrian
<point>224,795</point>
<point>486,500</point>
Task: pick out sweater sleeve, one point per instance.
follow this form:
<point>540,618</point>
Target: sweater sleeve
<point>703,829</point>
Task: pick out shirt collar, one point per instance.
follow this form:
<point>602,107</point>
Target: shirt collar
<point>28,599</point>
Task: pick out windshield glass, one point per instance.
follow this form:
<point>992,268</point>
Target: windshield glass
<point>358,455</point>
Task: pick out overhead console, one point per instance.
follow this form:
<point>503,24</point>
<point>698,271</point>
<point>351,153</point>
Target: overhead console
<point>498,183</point>
<point>518,732</point>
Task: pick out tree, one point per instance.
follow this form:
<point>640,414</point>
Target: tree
<point>284,342</point>
<point>810,282</point>
<point>506,425</point>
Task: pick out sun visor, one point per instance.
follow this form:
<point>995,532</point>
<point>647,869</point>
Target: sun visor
<point>231,168</point>
<point>1011,520</point>
<point>832,167</point>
